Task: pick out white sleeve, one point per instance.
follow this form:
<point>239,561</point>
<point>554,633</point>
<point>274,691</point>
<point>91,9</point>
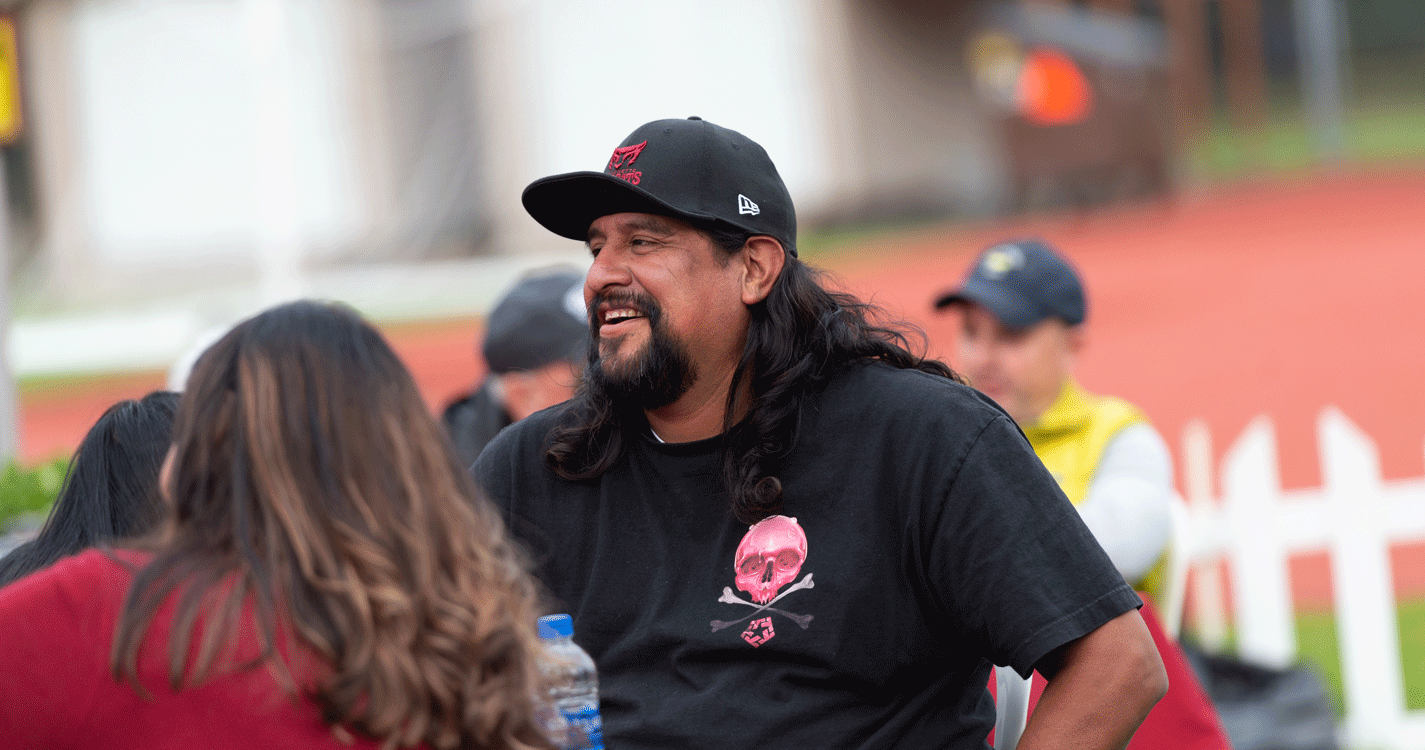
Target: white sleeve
<point>1129,503</point>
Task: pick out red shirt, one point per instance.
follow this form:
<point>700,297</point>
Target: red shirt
<point>56,691</point>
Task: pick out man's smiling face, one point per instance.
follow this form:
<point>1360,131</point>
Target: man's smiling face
<point>664,304</point>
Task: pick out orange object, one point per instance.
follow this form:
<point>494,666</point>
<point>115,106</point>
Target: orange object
<point>1052,90</point>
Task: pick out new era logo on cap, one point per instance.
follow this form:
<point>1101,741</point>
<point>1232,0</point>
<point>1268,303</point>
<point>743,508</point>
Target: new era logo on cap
<point>746,206</point>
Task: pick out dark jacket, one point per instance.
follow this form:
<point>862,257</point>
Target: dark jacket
<point>473,421</point>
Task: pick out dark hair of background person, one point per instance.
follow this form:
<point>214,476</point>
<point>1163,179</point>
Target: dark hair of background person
<point>313,494</point>
<point>110,491</point>
<point>799,334</point>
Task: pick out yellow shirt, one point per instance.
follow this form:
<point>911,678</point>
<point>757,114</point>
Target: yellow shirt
<point>1071,437</point>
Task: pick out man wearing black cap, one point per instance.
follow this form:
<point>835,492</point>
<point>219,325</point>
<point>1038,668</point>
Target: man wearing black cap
<point>773,524</point>
<point>533,347</point>
<point>1022,311</point>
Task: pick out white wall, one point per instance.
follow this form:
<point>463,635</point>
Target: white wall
<point>166,108</point>
<point>569,79</point>
<point>168,120</point>
<point>607,69</point>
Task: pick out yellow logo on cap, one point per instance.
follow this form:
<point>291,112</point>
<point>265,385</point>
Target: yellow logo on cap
<point>999,261</point>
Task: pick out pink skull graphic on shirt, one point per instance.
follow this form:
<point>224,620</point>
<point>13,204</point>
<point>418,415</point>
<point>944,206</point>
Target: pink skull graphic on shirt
<point>770,556</point>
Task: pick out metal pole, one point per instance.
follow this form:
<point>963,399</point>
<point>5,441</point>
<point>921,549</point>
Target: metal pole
<point>9,403</point>
<point>1321,46</point>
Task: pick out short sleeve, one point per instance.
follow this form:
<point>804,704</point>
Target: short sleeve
<point>1013,564</point>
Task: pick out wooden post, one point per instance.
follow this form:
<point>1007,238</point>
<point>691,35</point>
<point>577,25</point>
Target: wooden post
<point>1188,70</point>
<point>1245,67</point>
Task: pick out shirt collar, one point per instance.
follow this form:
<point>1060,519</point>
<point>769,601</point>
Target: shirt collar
<point>1070,411</point>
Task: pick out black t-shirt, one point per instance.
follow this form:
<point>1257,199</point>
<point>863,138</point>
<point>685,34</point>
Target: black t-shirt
<point>920,540</point>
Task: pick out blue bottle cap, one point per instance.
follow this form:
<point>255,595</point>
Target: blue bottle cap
<point>556,626</point>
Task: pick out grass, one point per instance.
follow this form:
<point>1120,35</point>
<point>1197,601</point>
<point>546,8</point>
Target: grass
<point>29,490</point>
<point>1379,133</point>
<point>1317,645</point>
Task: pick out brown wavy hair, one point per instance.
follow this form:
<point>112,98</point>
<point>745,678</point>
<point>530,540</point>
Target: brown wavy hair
<point>314,496</point>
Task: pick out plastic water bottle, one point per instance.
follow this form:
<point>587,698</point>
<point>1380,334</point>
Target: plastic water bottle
<point>575,686</point>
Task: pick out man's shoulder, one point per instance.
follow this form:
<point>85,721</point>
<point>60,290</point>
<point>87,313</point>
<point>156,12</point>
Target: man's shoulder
<point>523,438</point>
<point>907,398</point>
<point>884,384</point>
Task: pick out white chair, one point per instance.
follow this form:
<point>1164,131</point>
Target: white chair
<point>1011,707</point>
<point>1179,558</point>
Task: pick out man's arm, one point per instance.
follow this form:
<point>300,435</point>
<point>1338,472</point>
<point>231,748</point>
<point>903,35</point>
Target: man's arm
<point>1128,506</point>
<point>1100,689</point>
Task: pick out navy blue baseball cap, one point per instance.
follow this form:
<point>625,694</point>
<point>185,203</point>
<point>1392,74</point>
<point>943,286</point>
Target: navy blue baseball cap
<point>688,169</point>
<point>1021,283</point>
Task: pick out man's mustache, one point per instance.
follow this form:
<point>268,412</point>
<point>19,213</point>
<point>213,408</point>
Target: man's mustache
<point>643,303</point>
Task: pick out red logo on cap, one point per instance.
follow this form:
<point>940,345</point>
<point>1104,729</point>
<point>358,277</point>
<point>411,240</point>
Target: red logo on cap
<point>625,156</point>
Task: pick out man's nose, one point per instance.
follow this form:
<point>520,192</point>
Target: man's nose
<point>607,270</point>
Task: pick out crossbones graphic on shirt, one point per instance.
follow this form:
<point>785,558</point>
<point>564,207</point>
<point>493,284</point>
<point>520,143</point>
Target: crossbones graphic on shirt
<point>730,598</point>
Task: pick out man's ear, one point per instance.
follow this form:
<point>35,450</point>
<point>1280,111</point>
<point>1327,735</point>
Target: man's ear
<point>762,259</point>
<point>1077,339</point>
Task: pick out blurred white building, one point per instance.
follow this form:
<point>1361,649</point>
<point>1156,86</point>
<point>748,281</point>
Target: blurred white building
<point>175,142</point>
<point>186,162</point>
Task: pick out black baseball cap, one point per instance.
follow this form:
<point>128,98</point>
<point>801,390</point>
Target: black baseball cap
<point>1021,283</point>
<point>689,169</point>
<point>540,321</point>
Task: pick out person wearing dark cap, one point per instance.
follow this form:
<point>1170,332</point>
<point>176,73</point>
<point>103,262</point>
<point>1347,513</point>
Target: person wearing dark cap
<point>773,523</point>
<point>533,347</point>
<point>1022,312</point>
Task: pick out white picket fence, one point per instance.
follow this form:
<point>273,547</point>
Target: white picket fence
<point>1256,525</point>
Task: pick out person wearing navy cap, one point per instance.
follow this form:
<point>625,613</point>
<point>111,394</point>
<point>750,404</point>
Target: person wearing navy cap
<point>776,525</point>
<point>1022,312</point>
<point>533,347</point>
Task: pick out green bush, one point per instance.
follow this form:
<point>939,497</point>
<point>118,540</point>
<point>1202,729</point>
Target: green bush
<point>29,490</point>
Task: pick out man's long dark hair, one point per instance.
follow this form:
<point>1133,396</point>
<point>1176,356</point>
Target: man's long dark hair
<point>796,338</point>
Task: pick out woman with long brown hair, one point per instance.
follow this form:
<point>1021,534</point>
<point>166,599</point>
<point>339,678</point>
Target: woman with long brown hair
<point>327,574</point>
